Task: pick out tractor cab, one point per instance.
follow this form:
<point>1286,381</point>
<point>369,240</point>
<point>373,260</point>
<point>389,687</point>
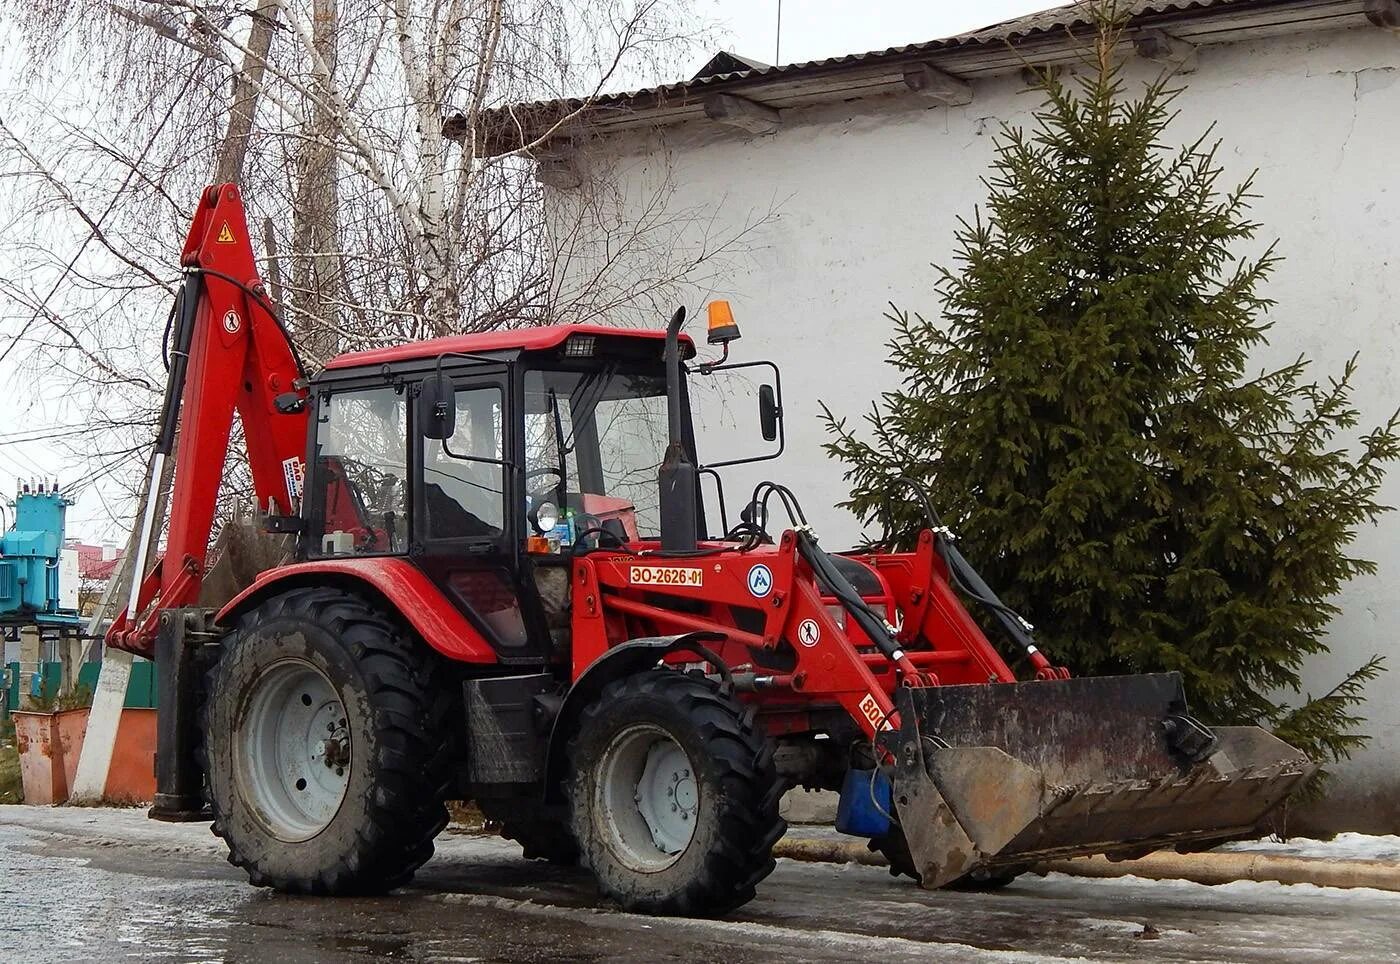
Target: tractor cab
<point>488,460</point>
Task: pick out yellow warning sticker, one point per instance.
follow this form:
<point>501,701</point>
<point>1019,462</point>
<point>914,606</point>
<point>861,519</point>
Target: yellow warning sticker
<point>226,235</point>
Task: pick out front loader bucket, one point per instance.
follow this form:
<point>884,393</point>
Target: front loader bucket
<point>1006,774</point>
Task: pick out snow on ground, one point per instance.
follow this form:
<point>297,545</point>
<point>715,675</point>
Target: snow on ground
<point>1345,846</point>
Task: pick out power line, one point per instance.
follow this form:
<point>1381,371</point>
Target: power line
<point>25,465</point>
<point>97,226</point>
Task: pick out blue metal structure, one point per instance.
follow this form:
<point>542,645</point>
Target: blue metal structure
<point>30,553</point>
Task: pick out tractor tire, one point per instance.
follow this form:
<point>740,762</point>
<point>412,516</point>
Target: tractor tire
<point>326,762</point>
<point>675,795</point>
<point>541,836</point>
<point>894,848</point>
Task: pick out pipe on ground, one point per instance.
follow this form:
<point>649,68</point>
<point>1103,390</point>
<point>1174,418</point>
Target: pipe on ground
<point>1202,868</point>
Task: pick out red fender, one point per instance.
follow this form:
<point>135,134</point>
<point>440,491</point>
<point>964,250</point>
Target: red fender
<point>402,585</point>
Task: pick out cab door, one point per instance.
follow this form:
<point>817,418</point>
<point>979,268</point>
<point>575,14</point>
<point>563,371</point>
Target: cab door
<point>467,518</point>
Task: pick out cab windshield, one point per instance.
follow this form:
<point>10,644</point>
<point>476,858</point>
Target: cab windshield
<point>593,443</point>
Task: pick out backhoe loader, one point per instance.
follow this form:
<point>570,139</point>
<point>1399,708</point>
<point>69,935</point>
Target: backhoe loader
<point>506,588</point>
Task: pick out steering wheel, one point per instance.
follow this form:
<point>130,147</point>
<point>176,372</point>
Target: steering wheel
<point>537,495</point>
<point>593,526</point>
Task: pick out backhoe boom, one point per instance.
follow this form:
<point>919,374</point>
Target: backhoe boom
<point>227,353</point>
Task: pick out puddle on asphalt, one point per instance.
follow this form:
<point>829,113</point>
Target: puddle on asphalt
<point>61,900</point>
<point>116,906</point>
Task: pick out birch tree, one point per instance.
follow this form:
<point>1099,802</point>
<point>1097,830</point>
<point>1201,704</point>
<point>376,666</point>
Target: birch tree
<point>376,226</point>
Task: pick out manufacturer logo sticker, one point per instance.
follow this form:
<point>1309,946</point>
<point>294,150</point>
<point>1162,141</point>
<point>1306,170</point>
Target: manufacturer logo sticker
<point>760,580</point>
<point>808,632</point>
<point>232,322</point>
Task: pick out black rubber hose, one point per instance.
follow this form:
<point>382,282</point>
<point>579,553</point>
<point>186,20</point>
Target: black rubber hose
<point>964,576</point>
<point>266,306</point>
<point>169,324</point>
<point>971,582</point>
<point>831,579</point>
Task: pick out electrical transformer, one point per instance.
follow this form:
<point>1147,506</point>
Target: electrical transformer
<point>38,576</point>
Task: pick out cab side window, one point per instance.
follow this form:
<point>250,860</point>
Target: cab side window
<point>362,468</point>
<point>463,477</point>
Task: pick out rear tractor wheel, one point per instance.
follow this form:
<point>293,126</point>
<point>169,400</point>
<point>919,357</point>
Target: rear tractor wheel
<point>324,747</point>
<point>675,795</point>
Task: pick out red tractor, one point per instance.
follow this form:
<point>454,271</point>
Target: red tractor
<point>506,590</point>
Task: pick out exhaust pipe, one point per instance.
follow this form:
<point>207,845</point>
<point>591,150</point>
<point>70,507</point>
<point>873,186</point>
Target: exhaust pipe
<point>678,477</point>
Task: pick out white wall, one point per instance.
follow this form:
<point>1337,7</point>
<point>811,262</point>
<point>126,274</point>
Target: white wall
<point>865,195</point>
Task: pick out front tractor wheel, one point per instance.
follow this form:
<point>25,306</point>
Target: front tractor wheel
<point>324,747</point>
<point>675,795</point>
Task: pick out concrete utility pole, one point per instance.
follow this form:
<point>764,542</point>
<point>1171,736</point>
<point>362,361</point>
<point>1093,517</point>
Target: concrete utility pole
<point>108,698</point>
<point>90,781</point>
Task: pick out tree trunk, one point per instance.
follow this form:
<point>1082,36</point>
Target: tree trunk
<point>246,86</point>
<point>316,272</point>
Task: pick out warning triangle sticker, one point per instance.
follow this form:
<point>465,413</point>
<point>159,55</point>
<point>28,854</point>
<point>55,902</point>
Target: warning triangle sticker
<point>226,235</point>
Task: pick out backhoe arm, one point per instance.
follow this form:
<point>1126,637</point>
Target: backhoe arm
<point>227,352</point>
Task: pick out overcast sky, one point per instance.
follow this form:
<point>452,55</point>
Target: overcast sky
<point>813,29</point>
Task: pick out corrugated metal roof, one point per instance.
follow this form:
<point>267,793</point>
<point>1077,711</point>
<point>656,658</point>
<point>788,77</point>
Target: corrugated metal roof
<point>992,49</point>
<point>726,61</point>
<point>1078,14</point>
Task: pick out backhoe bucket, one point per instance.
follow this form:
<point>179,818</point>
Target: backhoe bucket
<point>1005,774</point>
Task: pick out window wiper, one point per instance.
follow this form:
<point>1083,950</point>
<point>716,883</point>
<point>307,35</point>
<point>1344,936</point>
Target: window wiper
<point>558,447</point>
<point>589,393</point>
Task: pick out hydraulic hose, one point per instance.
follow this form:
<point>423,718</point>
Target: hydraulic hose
<point>266,306</point>
<point>835,583</point>
<point>968,580</point>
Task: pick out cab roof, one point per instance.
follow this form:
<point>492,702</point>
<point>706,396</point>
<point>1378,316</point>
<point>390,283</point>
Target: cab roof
<point>542,338</point>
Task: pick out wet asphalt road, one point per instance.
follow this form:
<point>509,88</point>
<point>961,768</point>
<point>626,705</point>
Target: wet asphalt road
<point>112,886</point>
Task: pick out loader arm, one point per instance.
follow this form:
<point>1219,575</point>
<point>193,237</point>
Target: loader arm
<point>228,352</point>
<point>986,773</point>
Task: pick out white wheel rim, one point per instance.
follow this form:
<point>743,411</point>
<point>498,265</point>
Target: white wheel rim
<point>647,798</point>
<point>295,751</point>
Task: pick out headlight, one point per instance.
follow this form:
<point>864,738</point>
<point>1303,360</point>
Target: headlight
<point>580,346</point>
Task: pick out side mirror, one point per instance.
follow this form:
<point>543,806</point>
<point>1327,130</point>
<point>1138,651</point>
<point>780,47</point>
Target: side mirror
<point>437,406</point>
<point>768,413</point>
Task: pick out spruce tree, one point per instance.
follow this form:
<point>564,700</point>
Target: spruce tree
<point>1085,417</point>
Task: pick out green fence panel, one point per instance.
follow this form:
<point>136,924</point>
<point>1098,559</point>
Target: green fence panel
<point>22,682</point>
<point>140,691</point>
